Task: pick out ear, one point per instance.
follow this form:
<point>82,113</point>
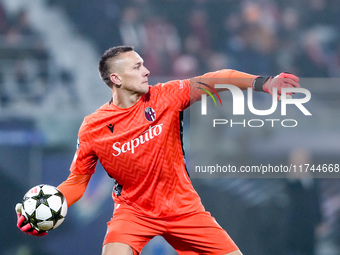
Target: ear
<point>115,79</point>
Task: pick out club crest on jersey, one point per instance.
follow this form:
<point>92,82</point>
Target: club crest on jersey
<point>150,114</point>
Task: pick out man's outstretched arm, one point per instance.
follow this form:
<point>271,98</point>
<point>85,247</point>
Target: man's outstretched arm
<point>243,81</point>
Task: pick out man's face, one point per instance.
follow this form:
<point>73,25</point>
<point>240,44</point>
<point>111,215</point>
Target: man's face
<point>131,72</point>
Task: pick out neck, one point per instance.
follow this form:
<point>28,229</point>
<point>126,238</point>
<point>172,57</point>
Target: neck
<point>125,100</point>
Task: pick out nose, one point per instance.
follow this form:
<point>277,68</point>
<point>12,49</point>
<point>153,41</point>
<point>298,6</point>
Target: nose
<point>146,72</point>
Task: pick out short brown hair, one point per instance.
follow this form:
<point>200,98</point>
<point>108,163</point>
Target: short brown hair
<point>104,61</point>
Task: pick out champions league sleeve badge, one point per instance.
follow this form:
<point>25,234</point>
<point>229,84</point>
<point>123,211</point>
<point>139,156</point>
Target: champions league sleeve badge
<point>149,114</point>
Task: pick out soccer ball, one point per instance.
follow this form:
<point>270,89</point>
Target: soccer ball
<point>45,207</point>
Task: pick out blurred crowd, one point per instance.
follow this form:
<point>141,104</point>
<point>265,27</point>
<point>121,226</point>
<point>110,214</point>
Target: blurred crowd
<point>185,38</point>
<point>180,39</point>
<point>23,60</point>
<point>28,73</point>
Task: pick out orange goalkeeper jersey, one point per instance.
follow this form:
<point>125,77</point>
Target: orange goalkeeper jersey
<point>140,147</point>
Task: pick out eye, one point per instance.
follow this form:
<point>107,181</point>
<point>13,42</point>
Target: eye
<point>137,66</point>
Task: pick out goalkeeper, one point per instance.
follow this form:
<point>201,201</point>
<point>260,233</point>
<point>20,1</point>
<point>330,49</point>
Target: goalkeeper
<point>137,138</point>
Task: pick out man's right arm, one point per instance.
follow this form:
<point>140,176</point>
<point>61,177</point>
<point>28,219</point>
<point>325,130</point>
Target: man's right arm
<point>82,168</point>
<point>74,187</point>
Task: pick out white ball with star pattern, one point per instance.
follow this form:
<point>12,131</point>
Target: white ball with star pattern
<point>45,207</point>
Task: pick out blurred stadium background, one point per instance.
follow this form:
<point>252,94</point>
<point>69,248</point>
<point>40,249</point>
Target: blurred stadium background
<point>49,52</point>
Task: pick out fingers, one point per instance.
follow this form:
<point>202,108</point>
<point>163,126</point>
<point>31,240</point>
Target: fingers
<point>290,79</point>
<point>18,208</point>
<point>26,228</point>
<point>21,220</point>
<point>288,75</point>
<point>285,83</point>
<point>36,233</point>
<point>291,82</point>
<point>283,80</point>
